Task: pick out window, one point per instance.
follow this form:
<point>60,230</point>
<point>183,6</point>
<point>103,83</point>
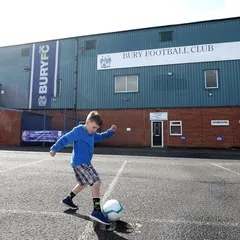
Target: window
<point>166,36</point>
<point>91,44</point>
<point>211,78</point>
<point>175,128</point>
<point>59,87</point>
<point>126,83</point>
<point>25,52</point>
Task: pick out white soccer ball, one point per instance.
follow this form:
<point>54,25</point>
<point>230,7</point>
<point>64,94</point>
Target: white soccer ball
<point>113,209</point>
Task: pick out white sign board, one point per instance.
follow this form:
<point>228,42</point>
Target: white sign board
<point>220,122</point>
<point>173,55</point>
<point>157,116</point>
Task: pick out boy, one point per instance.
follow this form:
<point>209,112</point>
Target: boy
<point>83,138</point>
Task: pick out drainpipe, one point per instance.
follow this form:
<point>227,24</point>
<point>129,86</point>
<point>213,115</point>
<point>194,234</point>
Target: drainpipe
<point>76,80</point>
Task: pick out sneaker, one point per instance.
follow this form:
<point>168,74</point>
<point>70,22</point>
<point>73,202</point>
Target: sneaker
<point>100,217</point>
<point>68,201</point>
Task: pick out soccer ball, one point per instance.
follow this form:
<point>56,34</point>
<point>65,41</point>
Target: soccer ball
<point>113,209</point>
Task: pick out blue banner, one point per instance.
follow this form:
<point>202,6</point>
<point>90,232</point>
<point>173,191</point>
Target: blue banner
<point>44,70</point>
<point>41,136</point>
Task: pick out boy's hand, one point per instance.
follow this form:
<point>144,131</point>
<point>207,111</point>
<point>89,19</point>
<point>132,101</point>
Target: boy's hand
<point>52,153</point>
<point>114,127</point>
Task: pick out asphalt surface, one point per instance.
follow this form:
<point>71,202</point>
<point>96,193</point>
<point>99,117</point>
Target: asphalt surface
<point>179,152</point>
<point>163,197</point>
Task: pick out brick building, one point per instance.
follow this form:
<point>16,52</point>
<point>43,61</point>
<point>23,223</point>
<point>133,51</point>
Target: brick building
<point>165,86</point>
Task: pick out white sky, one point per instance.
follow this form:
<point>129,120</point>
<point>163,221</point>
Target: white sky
<point>24,21</point>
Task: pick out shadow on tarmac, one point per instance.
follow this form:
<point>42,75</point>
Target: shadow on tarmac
<point>105,232</point>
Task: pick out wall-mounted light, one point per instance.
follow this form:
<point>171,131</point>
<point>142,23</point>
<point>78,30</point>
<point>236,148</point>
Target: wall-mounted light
<point>125,99</point>
<point>26,68</point>
<point>170,73</point>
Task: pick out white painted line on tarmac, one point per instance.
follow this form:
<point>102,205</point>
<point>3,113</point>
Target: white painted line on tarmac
<point>56,214</point>
<point>200,223</point>
<point>113,183</point>
<point>88,229</point>
<point>24,165</point>
<point>129,220</point>
<point>20,152</point>
<point>227,169</point>
<point>187,222</point>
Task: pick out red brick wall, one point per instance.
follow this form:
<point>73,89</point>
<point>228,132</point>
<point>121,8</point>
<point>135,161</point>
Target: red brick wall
<point>231,133</point>
<point>196,126</point>
<point>10,127</point>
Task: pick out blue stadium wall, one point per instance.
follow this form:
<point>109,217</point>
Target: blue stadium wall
<point>176,89</point>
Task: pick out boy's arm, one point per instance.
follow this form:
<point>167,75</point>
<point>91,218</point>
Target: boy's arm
<point>98,137</point>
<point>65,140</point>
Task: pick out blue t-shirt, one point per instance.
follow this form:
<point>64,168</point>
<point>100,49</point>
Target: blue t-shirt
<point>83,143</point>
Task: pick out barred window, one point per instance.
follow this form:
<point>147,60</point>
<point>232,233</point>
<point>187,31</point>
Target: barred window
<point>59,87</point>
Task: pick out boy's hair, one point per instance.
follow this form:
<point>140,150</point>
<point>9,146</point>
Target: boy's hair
<point>94,116</point>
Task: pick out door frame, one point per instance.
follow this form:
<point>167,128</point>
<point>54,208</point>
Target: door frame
<point>152,134</point>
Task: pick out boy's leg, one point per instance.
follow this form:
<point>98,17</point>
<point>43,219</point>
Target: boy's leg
<point>96,189</point>
<point>78,188</point>
<point>82,183</point>
<point>96,195</point>
<point>68,200</point>
<point>97,214</point>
